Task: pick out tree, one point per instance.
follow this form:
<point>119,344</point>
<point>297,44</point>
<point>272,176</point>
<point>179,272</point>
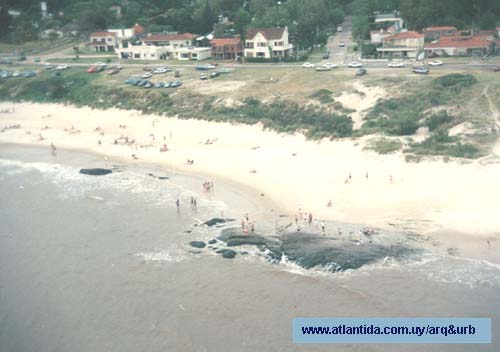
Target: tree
<point>53,36</point>
<point>242,19</point>
<point>204,18</point>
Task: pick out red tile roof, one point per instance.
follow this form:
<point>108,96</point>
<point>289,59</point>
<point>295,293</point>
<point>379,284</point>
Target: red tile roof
<point>473,42</point>
<point>225,41</point>
<point>404,35</point>
<point>103,34</point>
<point>170,37</point>
<point>268,33</point>
<point>138,28</point>
<point>440,28</point>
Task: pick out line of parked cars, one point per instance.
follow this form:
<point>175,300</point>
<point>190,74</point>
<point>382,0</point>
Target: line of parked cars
<point>145,83</point>
<point>7,74</point>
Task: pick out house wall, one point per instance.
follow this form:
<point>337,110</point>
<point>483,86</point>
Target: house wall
<point>267,48</point>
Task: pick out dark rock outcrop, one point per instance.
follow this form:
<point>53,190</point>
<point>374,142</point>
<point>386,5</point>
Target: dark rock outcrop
<point>95,172</point>
<point>198,244</point>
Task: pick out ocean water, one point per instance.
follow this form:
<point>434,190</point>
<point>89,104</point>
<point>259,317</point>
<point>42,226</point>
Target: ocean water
<point>104,263</point>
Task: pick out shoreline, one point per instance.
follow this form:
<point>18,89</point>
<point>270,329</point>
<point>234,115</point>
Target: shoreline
<point>291,172</point>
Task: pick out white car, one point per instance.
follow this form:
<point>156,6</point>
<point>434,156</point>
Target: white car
<point>62,67</point>
<point>307,65</point>
<point>436,63</point>
<point>341,44</point>
<point>100,64</point>
<point>160,70</point>
<point>16,74</point>
<point>330,65</point>
<point>395,64</point>
<point>354,64</point>
<point>339,29</point>
<point>209,66</point>
<point>147,75</point>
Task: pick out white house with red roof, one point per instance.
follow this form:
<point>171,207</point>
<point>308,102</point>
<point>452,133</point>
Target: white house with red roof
<point>267,43</point>
<point>103,41</point>
<point>405,44</point>
<point>477,45</point>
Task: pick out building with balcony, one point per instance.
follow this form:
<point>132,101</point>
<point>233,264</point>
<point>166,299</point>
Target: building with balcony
<point>172,40</point>
<point>103,41</point>
<point>226,48</point>
<point>402,45</point>
<point>267,43</point>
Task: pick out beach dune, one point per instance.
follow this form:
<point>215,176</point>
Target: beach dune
<point>363,187</point>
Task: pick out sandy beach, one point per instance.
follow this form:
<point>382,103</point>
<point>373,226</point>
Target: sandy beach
<point>363,187</point>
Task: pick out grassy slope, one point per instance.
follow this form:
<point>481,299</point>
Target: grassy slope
<point>281,99</point>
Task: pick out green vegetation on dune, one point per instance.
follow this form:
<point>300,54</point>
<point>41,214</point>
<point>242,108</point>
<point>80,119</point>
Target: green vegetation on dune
<point>426,105</point>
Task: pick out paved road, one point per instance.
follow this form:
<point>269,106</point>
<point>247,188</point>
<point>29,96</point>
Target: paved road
<point>339,55</point>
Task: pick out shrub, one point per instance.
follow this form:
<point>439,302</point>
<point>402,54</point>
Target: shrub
<point>383,145</point>
<point>438,120</point>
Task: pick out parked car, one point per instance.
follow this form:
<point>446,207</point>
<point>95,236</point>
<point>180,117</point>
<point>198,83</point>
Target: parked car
<point>62,67</point>
<point>341,44</point>
<point>29,74</point>
<point>436,63</point>
<point>148,84</point>
<point>167,84</point>
<point>6,62</point>
<point>16,74</point>
<point>5,74</point>
<point>205,67</point>
<point>223,71</point>
<point>160,85</point>
<point>113,71</point>
<point>326,56</point>
<point>354,64</point>
<point>100,64</point>
<point>48,66</point>
<point>360,72</point>
<point>147,75</point>
<point>395,64</point>
<point>21,58</point>
<point>176,83</point>
<point>37,59</point>
<point>142,82</point>
<point>203,77</point>
<point>496,69</point>
<point>92,69</point>
<point>330,65</point>
<point>214,74</point>
<point>323,68</point>
<point>147,68</point>
<point>308,65</point>
<point>177,74</point>
<point>420,70</point>
<point>161,70</point>
<point>339,29</point>
<point>131,80</point>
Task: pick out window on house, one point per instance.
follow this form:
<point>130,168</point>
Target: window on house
<point>261,54</point>
<point>262,44</point>
<point>137,56</point>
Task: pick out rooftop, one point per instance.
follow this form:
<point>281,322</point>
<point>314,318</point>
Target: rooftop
<point>103,34</point>
<point>471,42</point>
<point>225,41</point>
<point>439,28</point>
<point>169,37</point>
<point>268,33</point>
<point>405,35</point>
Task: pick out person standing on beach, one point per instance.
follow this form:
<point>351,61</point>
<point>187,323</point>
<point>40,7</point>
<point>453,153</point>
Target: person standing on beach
<point>53,149</point>
<point>177,203</point>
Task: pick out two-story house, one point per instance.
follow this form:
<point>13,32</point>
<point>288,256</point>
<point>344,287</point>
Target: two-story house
<point>226,48</point>
<point>172,40</point>
<point>267,43</point>
<point>402,45</point>
<point>103,41</point>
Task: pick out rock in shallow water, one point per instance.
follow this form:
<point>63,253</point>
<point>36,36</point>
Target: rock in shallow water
<point>212,241</point>
<point>216,221</point>
<point>229,254</point>
<point>197,244</point>
<point>95,172</point>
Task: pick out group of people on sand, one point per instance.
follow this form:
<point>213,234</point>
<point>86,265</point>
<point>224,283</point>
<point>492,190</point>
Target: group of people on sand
<point>246,225</point>
<point>349,179</point>
<point>208,186</point>
<point>210,141</point>
<point>10,127</point>
<point>72,130</point>
<point>306,217</point>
